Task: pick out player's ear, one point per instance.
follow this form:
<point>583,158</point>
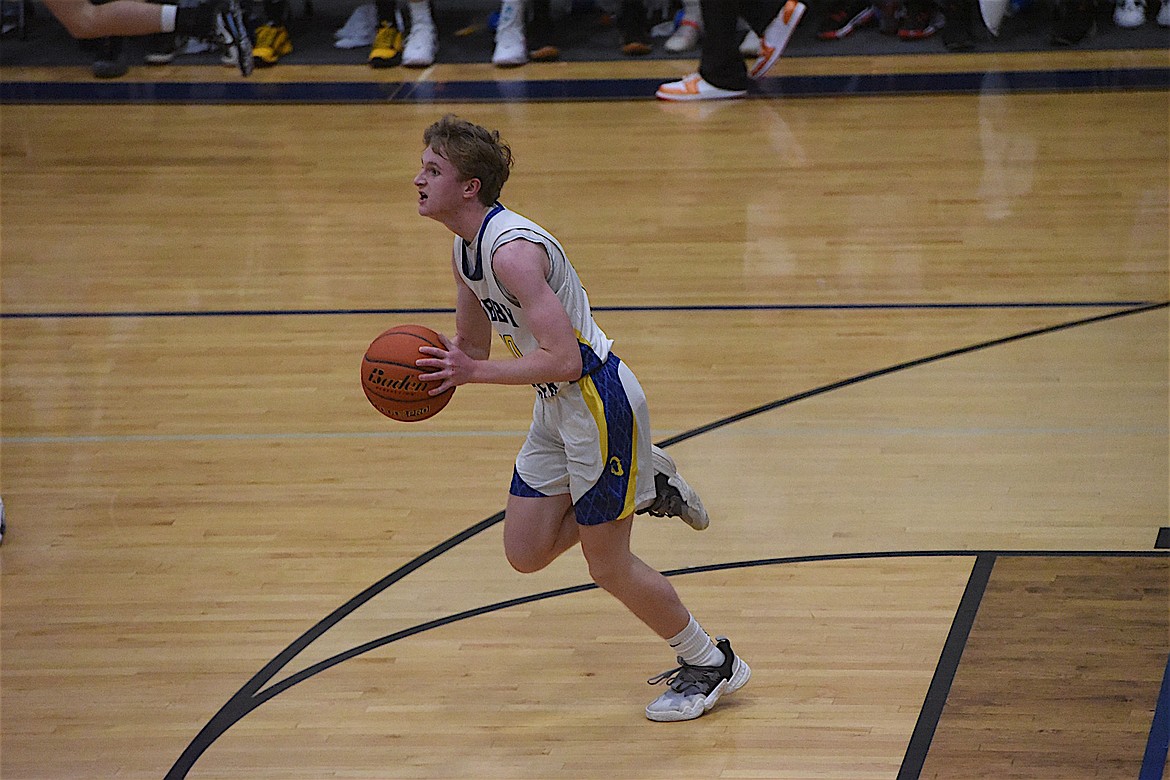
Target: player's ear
<point>471,188</point>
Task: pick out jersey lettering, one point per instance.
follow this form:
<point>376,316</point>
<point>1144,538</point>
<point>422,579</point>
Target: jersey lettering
<point>498,312</point>
<point>547,390</point>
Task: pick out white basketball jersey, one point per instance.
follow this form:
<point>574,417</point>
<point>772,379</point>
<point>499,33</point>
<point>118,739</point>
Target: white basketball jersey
<point>509,319</point>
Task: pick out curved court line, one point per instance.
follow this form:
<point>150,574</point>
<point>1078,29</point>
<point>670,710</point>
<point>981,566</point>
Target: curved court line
<point>903,366</point>
<point>253,693</point>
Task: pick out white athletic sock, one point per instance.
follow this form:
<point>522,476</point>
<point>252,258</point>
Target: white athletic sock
<point>420,10</point>
<point>694,646</point>
<point>167,17</point>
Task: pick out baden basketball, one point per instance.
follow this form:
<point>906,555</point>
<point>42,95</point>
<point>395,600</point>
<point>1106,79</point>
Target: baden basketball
<point>390,377</point>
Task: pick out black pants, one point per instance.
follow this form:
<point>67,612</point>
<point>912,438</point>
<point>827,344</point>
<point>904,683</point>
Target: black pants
<point>720,62</point>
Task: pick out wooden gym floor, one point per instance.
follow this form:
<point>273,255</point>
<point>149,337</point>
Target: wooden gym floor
<point>910,348</point>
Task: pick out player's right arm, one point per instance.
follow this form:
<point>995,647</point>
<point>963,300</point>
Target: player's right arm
<point>473,329</point>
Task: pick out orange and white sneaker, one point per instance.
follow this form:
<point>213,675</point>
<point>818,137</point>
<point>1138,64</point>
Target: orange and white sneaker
<point>695,87</point>
<point>776,37</point>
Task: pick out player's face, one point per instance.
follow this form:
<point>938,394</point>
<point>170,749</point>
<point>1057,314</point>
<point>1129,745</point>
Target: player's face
<point>440,188</point>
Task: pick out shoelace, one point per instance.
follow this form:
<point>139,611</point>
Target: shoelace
<point>385,39</point>
<point>668,502</point>
<point>688,679</point>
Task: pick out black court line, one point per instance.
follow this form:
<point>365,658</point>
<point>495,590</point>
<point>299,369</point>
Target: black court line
<point>908,306</point>
<point>948,665</point>
<point>1158,743</point>
<point>243,703</point>
<point>903,366</point>
<point>253,693</point>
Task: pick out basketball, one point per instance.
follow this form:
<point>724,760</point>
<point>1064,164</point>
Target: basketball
<point>390,377</point>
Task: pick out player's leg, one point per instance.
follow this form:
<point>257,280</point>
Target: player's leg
<point>612,409</point>
<point>218,21</point>
<point>642,589</point>
<point>707,670</point>
<point>537,529</point>
<point>84,20</point>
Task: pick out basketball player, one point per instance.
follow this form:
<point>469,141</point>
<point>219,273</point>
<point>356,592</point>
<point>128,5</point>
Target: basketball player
<point>219,22</point>
<point>587,463</point>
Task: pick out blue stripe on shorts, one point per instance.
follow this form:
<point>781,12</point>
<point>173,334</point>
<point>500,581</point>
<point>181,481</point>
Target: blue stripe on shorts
<point>612,497</point>
<point>521,488</point>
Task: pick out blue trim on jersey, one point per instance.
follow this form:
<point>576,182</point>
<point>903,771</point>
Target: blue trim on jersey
<point>476,274</point>
<point>609,499</point>
<point>521,488</point>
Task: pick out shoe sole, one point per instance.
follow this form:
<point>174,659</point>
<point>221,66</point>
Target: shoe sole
<point>848,28</point>
<point>685,94</point>
<point>683,97</point>
<point>740,675</point>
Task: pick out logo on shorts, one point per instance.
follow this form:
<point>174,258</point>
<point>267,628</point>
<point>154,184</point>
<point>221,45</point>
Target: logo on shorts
<point>615,467</point>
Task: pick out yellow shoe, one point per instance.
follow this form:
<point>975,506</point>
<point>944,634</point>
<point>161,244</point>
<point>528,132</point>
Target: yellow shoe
<point>272,43</point>
<point>387,49</point>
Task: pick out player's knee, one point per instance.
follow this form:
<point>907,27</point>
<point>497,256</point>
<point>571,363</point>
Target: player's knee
<point>526,561</point>
<point>605,572</point>
<point>80,20</point>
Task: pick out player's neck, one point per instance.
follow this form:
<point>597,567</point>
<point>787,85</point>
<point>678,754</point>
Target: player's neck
<point>468,221</point>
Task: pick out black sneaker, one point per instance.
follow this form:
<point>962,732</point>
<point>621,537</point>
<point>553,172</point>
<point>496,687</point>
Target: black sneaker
<point>634,27</point>
<point>1072,21</point>
<point>959,17</point>
<point>109,62</point>
<point>161,48</point>
<point>542,38</point>
<point>845,17</point>
<point>693,690</point>
<point>920,20</point>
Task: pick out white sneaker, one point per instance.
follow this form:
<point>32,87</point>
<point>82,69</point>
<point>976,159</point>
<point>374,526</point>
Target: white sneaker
<point>1130,13</point>
<point>750,46</point>
<point>1164,14</point>
<point>421,44</point>
<point>776,38</point>
<point>693,690</point>
<point>993,12</point>
<point>695,87</point>
<point>685,38</point>
<point>675,498</point>
<point>511,47</point>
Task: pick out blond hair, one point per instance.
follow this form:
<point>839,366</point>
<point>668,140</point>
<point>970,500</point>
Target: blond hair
<point>476,153</point>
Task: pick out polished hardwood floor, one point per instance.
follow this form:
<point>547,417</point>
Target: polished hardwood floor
<point>912,350</point>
